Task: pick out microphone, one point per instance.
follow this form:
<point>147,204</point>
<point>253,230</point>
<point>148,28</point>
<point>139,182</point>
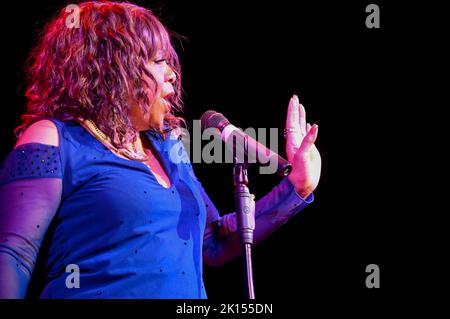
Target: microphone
<point>244,144</point>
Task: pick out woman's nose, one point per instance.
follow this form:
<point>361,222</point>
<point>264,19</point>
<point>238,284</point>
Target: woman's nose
<point>170,75</point>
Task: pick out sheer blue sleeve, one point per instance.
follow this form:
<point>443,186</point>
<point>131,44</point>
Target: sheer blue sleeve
<point>221,241</point>
<point>30,194</point>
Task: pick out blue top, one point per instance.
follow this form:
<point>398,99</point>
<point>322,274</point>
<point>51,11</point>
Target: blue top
<point>130,236</point>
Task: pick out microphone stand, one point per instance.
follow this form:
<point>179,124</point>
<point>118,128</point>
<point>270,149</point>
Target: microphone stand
<point>245,210</point>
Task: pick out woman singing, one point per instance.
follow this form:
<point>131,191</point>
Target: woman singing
<point>90,183</point>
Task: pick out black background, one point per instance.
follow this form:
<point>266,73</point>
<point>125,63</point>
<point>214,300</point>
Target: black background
<point>246,59</point>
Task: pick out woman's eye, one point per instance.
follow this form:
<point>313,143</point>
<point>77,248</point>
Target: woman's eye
<point>161,61</point>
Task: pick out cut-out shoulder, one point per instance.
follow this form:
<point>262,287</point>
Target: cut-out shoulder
<point>43,131</point>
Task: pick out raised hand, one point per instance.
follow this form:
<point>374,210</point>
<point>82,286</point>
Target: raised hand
<point>300,149</point>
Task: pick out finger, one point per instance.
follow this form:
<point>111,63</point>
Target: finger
<point>308,127</point>
<point>309,139</point>
<point>293,138</point>
<point>302,119</point>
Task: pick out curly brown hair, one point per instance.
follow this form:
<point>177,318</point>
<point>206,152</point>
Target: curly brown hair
<point>93,71</point>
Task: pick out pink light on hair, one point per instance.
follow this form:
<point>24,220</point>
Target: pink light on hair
<point>95,71</point>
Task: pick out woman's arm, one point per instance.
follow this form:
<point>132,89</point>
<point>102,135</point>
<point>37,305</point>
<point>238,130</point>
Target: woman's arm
<point>30,195</point>
<point>221,240</point>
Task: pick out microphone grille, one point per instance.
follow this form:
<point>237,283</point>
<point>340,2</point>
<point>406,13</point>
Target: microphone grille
<point>213,119</point>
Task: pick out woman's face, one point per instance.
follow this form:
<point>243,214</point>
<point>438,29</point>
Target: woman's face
<point>164,77</point>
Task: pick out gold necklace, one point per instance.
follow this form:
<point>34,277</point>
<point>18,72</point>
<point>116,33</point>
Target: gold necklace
<point>107,139</point>
<point>97,130</point>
